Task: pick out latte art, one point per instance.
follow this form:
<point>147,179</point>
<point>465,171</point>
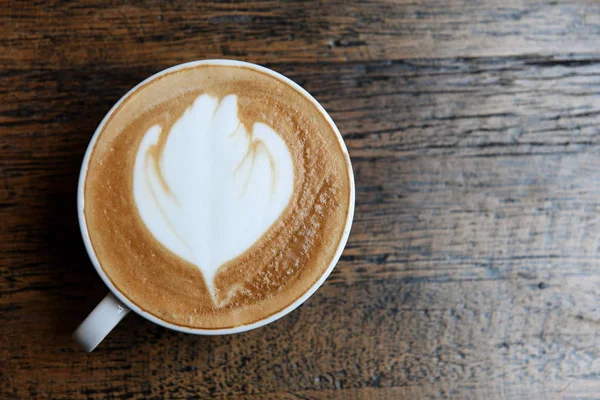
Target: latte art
<point>209,189</point>
<point>217,196</point>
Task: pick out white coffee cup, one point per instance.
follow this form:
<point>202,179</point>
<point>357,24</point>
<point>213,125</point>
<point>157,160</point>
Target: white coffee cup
<point>115,306</point>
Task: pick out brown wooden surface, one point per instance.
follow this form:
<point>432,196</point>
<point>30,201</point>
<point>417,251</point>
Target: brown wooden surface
<point>473,267</point>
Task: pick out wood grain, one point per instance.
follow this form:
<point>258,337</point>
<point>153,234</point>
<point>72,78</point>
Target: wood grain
<point>58,34</point>
<point>472,270</point>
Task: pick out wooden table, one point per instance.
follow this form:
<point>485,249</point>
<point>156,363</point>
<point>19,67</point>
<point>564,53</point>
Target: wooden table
<point>473,267</point>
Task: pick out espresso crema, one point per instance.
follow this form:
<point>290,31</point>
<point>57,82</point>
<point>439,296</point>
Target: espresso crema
<point>216,195</point>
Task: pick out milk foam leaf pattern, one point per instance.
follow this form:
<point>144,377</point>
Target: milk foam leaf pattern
<point>208,188</point>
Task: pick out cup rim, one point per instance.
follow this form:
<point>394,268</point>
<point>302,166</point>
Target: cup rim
<point>218,331</point>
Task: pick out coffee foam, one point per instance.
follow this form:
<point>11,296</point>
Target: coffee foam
<point>216,141</point>
<point>211,189</point>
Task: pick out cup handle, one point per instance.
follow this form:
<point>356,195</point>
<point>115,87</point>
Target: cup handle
<point>107,314</point>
